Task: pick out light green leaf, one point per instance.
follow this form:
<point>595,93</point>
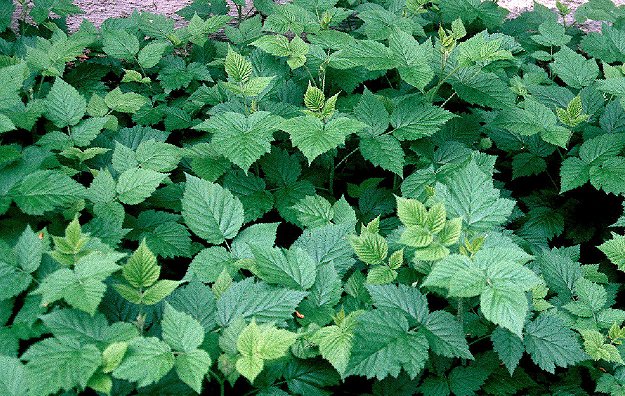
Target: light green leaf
<point>258,343</point>
<point>335,342</point>
<point>614,249</point>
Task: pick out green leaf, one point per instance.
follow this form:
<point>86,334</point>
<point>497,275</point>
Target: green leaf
<point>129,102</point>
<point>413,60</point>
<point>146,361</point>
<point>505,306</point>
<point>82,287</point>
<point>29,250</point>
<point>87,130</point>
<point>120,44</point>
<point>482,88</point>
<point>278,45</point>
<point>575,70</point>
<point>314,138</point>
<point>12,377</point>
<point>384,151</point>
<point>113,355</point>
<point>237,67</point>
<point>372,112</point>
<point>295,269</point>
<point>158,156</point>
<point>469,193</point>
<point>596,347</point>
<point>614,249</point>
<point>151,54</point>
<point>192,366</point>
<point>383,345</point>
<point>141,270</point>
<point>211,211</point>
<point>54,365</point>
<point>314,211</point>
<point>367,53</point>
<point>158,291</point>
<point>609,176</point>
<point>446,336</point>
<point>369,247</point>
<point>413,120</point>
<point>335,342</point>
<point>407,299</point>
<point>551,343</point>
<point>601,148</point>
<point>259,343</point>
<point>77,325</point>
<point>508,346</point>
<point>242,139</point>
<point>181,331</point>
<point>64,105</point>
<point>197,300</point>
<point>573,173</point>
<point>137,184</point>
<point>246,299</point>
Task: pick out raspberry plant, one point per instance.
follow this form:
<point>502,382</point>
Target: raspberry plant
<point>388,198</point>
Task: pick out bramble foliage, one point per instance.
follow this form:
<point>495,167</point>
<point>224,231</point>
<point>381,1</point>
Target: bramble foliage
<point>388,198</point>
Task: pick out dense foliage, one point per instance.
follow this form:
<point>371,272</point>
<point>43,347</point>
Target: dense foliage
<point>389,197</point>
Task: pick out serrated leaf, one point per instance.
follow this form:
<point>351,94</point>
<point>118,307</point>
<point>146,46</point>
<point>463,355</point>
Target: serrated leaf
<point>151,54</point>
<point>211,211</point>
<point>314,138</point>
<point>53,365</point>
<point>295,269</point>
<point>246,299</point>
<point>551,343</point>
<point>120,44</point>
<point>12,377</point>
<point>508,346</point>
<point>141,270</point>
<point>413,120</point>
<point>124,102</point>
<point>180,330</point>
<point>242,139</point>
<point>383,345</point>
<point>614,249</point>
<point>158,291</point>
<point>191,368</point>
<point>137,184</point>
<point>64,105</point>
<point>146,361</point>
